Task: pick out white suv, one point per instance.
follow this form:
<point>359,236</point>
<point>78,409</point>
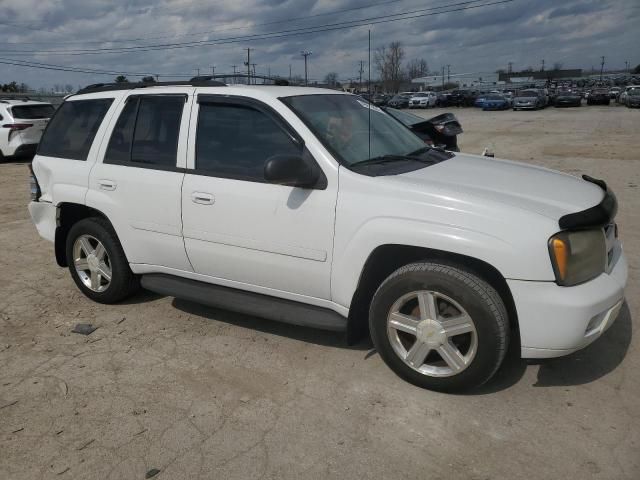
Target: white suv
<point>316,208</point>
<point>21,125</point>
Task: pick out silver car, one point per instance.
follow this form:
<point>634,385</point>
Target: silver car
<point>529,100</point>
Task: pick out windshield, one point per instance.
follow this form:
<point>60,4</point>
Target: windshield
<point>634,93</point>
<point>494,97</point>
<point>341,122</point>
<point>32,112</point>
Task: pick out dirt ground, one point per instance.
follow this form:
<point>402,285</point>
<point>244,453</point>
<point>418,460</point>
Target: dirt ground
<point>201,393</point>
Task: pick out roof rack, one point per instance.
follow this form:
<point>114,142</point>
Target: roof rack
<point>105,87</point>
<point>277,81</point>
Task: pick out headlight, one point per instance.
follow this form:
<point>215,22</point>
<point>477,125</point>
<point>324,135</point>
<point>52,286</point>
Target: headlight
<point>577,256</point>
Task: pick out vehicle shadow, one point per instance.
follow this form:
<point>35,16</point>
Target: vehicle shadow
<point>591,363</point>
<point>296,332</point>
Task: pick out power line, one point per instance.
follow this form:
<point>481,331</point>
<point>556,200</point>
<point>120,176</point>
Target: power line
<point>192,34</point>
<point>461,6</point>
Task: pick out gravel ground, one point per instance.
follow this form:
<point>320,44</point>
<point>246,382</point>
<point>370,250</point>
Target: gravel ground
<point>201,393</point>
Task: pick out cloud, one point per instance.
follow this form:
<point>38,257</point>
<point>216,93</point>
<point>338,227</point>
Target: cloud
<point>522,32</point>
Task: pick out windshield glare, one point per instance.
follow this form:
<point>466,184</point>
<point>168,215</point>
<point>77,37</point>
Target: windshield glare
<point>341,122</point>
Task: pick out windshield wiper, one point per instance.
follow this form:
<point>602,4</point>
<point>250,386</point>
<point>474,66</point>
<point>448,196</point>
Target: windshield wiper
<point>389,159</point>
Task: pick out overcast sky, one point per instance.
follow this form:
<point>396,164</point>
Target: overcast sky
<point>572,32</point>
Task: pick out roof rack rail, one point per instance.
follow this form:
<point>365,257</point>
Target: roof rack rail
<point>281,82</point>
<point>105,87</point>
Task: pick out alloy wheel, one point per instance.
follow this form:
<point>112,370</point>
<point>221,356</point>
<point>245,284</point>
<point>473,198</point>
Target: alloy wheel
<point>92,263</point>
<point>432,333</point>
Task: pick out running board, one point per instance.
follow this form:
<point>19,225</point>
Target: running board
<point>248,303</point>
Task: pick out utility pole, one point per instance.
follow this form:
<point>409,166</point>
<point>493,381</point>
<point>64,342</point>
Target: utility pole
<point>197,72</point>
<point>601,68</point>
<point>448,73</point>
<point>269,71</point>
<point>509,67</point>
<point>213,70</point>
<point>626,66</point>
<point>443,77</point>
<point>305,54</point>
<point>289,72</point>
<point>248,64</point>
<point>542,68</point>
<point>361,71</point>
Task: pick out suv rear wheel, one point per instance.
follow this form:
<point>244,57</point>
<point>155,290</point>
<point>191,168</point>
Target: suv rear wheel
<point>97,262</point>
<point>439,327</point>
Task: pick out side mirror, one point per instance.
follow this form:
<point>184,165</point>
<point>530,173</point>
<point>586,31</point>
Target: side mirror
<point>291,170</point>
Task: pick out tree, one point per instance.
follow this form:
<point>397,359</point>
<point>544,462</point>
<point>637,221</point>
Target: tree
<point>417,68</point>
<point>557,66</point>
<point>10,87</point>
<point>389,65</point>
<point>121,79</point>
<point>331,79</point>
<point>148,79</point>
<point>636,70</point>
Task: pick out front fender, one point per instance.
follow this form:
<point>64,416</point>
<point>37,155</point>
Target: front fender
<point>506,256</point>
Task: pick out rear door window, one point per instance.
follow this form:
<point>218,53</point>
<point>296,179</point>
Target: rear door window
<point>72,129</point>
<point>147,132</point>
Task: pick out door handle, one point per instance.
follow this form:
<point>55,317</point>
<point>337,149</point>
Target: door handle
<point>202,198</point>
<point>107,185</point>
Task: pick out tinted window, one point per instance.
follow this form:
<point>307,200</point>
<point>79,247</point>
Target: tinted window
<point>73,128</point>
<point>234,141</point>
<point>32,112</point>
<point>147,131</point>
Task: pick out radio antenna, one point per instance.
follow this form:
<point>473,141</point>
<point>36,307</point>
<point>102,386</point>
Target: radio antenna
<point>369,92</point>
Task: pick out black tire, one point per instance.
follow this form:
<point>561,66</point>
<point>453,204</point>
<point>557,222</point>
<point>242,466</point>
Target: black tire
<point>481,301</point>
<point>123,282</point>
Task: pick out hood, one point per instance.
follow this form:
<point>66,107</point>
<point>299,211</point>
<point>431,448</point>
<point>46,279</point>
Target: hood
<point>527,187</point>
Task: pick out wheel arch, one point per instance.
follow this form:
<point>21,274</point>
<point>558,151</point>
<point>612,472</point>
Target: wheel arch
<point>67,215</point>
<point>385,259</point>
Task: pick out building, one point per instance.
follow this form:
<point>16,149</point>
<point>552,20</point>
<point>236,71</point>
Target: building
<point>461,80</point>
<point>544,75</point>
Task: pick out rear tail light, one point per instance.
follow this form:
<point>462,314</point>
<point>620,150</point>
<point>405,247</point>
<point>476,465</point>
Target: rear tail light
<point>36,193</point>
<point>16,127</point>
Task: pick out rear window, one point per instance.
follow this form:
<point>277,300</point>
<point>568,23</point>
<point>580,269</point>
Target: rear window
<point>32,112</point>
<point>72,129</point>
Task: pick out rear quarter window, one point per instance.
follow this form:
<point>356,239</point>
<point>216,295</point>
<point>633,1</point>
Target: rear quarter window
<point>73,127</point>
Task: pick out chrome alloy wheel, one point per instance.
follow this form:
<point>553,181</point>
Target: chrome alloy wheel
<point>92,263</point>
<point>432,333</point>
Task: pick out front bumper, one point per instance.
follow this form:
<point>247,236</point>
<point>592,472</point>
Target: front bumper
<point>44,217</point>
<point>556,321</point>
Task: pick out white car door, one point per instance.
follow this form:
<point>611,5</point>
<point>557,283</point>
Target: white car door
<point>137,180</point>
<point>240,230</point>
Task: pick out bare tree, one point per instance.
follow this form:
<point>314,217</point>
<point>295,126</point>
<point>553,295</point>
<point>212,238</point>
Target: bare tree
<point>331,79</point>
<point>389,65</point>
<point>417,68</point>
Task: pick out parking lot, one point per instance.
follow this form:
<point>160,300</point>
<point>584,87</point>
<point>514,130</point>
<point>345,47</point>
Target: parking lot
<point>196,392</point>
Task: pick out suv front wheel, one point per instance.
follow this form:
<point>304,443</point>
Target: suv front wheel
<point>97,262</point>
<point>439,327</point>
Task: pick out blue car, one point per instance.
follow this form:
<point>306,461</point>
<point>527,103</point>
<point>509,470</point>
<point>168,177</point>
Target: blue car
<point>492,102</point>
